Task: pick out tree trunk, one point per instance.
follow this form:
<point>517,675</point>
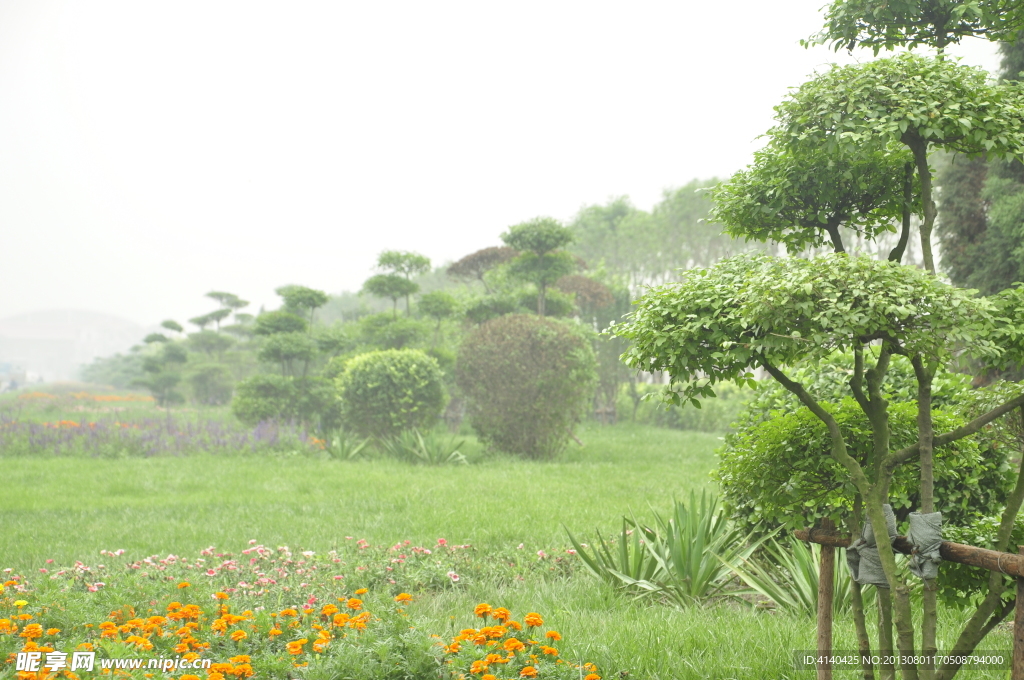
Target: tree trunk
<point>885,648</point>
<point>826,590</point>
<point>920,149</point>
<point>925,436</point>
<point>863,641</point>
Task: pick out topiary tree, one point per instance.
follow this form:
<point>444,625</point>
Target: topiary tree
<point>474,266</point>
<point>300,299</point>
<point>388,391</point>
<point>528,381</point>
<point>540,262</point>
<point>391,286</point>
<point>773,313</point>
<point>272,323</point>
<point>921,103</point>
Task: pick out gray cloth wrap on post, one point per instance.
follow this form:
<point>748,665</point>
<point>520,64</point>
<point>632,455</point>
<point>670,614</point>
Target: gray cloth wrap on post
<point>925,534</point>
<point>862,555</point>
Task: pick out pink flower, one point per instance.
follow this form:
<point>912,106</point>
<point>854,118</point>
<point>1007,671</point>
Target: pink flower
<point>211,572</point>
<point>453,576</point>
<point>338,578</point>
<point>571,551</point>
<point>252,542</point>
<point>541,554</point>
<point>442,542</point>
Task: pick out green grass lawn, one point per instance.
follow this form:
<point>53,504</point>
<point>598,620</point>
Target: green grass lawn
<point>65,508</point>
<point>69,508</point>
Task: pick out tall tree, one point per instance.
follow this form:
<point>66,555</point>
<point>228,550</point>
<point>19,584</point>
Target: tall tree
<point>981,210</point>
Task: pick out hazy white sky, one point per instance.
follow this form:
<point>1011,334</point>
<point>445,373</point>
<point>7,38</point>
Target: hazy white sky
<point>152,152</point>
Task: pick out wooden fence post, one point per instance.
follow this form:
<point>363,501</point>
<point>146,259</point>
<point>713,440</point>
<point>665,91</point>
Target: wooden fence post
<point>1018,629</point>
<point>826,587</point>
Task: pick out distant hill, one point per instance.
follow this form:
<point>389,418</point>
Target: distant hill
<point>53,345</point>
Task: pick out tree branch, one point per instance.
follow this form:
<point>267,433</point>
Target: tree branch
<point>896,255</point>
<point>838,443</point>
<point>959,433</point>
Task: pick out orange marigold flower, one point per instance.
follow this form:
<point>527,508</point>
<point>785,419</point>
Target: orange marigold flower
<point>592,676</point>
<point>289,612</point>
<point>551,651</point>
<point>354,603</point>
<point>295,647</point>
<point>528,672</point>
<point>513,645</point>
<point>184,584</point>
<point>274,632</point>
<point>501,614</point>
<point>32,630</point>
<point>478,666</point>
<point>362,591</point>
<point>482,610</point>
<point>453,648</point>
<point>341,619</point>
<point>494,658</point>
<point>403,597</point>
<point>488,676</point>
<point>140,642</point>
<point>189,676</point>
<point>533,620</point>
<point>221,595</point>
<point>239,635</point>
<point>85,647</point>
<point>553,635</point>
<point>329,609</point>
<point>52,631</point>
<point>241,658</point>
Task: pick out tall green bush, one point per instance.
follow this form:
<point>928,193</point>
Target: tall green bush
<point>389,391</point>
<point>528,380</point>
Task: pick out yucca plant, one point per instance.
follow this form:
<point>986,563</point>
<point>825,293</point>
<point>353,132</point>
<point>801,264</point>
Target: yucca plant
<point>787,573</point>
<point>429,449</point>
<point>680,559</point>
<point>623,561</point>
<point>344,445</point>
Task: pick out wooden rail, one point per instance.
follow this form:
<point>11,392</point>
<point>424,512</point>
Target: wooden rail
<point>1007,563</point>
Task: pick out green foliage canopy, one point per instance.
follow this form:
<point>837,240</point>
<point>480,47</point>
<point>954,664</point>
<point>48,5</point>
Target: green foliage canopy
<point>899,23</point>
<point>760,310</point>
<point>802,197</point>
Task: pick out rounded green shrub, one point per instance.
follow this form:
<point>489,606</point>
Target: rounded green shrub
<point>264,397</point>
<point>388,391</point>
<point>528,380</point>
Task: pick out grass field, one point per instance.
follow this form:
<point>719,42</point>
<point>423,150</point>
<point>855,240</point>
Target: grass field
<point>70,508</point>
